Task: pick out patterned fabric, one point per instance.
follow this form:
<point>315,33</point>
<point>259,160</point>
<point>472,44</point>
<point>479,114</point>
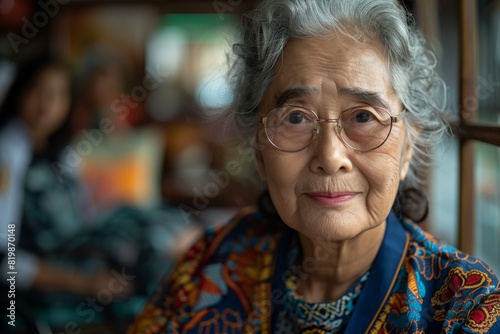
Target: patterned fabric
<point>54,208</point>
<point>234,281</point>
<point>298,315</point>
<point>440,289</point>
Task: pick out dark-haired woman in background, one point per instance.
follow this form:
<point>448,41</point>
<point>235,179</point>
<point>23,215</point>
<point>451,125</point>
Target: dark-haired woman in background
<point>46,208</point>
<point>68,251</point>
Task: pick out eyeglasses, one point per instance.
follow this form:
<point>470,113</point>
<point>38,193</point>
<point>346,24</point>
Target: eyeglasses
<point>293,128</point>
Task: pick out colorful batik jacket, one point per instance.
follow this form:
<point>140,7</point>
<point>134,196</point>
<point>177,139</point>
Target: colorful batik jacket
<point>236,279</point>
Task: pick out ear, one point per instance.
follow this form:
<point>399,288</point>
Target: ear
<point>261,167</point>
<point>406,155</point>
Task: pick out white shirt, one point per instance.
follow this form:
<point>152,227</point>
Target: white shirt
<point>15,156</point>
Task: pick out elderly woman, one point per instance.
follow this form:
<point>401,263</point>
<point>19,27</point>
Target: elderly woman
<point>342,102</point>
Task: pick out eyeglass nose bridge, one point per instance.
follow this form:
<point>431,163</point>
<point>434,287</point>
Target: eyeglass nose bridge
<point>329,120</point>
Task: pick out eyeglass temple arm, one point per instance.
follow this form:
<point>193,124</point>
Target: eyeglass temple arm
<point>398,117</point>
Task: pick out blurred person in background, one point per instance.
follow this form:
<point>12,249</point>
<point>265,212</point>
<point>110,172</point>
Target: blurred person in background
<point>33,130</point>
<point>67,249</point>
<point>101,79</point>
<point>46,207</point>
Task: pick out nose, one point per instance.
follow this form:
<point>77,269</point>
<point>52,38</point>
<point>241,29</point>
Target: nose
<point>330,154</point>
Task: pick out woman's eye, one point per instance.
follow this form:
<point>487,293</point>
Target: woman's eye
<point>363,116</point>
<point>295,118</point>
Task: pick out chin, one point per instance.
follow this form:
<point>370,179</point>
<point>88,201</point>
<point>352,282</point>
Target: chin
<point>334,228</point>
<point>333,223</point>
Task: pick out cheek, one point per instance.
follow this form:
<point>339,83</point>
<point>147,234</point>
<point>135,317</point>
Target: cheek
<point>282,171</point>
<point>381,170</point>
<point>60,109</point>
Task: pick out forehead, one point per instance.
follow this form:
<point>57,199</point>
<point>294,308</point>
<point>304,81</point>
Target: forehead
<point>331,66</point>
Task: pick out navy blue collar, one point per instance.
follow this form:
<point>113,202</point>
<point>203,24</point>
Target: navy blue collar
<point>382,277</point>
<point>378,286</point>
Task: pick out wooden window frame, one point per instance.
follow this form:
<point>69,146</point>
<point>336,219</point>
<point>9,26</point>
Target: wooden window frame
<point>469,132</point>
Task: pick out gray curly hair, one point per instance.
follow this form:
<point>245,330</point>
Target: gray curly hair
<point>267,29</point>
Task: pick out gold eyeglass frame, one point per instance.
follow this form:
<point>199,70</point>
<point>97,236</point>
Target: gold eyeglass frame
<point>338,128</point>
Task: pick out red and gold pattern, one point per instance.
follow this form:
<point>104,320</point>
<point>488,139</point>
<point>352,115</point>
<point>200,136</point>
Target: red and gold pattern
<point>457,281</point>
<point>484,316</point>
<point>451,305</point>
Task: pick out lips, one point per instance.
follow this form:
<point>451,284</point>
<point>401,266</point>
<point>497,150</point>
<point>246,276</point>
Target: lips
<point>331,199</point>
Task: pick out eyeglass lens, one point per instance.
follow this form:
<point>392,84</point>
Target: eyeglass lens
<point>292,128</point>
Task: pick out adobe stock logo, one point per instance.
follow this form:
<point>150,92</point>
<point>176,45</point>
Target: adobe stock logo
<point>40,19</point>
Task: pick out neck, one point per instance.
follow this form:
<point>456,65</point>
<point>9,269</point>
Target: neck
<point>330,268</point>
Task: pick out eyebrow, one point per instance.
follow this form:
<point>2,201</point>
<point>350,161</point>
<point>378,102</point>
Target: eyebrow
<point>360,94</point>
<point>291,93</point>
<point>370,97</point>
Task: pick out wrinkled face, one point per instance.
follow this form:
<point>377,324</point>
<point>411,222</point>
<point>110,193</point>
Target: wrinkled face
<point>327,190</point>
<point>46,103</point>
